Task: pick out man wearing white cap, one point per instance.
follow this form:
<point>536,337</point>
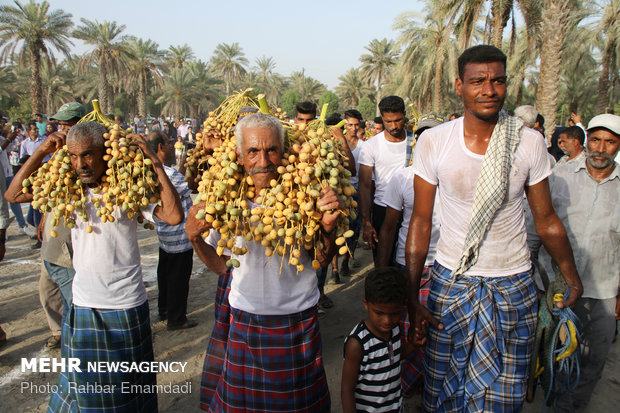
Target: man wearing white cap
<point>585,196</point>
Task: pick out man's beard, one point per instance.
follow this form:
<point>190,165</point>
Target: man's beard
<point>396,131</point>
<point>608,160</point>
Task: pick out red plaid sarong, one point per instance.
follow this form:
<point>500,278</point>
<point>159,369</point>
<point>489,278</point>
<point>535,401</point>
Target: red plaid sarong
<point>273,364</point>
<point>216,349</point>
<point>411,372</point>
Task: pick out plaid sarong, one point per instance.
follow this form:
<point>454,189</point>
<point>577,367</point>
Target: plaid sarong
<point>411,371</point>
<point>410,137</point>
<point>216,349</point>
<point>273,364</point>
<point>99,335</point>
<point>479,361</point>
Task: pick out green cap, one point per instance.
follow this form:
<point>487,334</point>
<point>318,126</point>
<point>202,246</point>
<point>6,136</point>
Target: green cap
<point>69,111</point>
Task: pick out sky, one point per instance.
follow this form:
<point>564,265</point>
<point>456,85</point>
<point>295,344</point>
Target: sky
<point>325,38</point>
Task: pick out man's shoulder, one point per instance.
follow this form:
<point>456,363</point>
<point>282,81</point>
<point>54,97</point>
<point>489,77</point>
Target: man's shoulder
<point>403,174</point>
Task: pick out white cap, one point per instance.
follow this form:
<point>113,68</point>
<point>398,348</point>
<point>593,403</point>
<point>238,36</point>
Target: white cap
<point>607,121</point>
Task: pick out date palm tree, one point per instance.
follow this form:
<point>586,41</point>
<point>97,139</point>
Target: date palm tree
<point>609,27</point>
<point>178,56</point>
<point>376,64</point>
<point>55,82</point>
<point>308,88</point>
<point>179,92</point>
<point>558,18</point>
<point>111,51</point>
<point>351,88</point>
<point>428,58</point>
<point>207,87</point>
<point>28,33</point>
<point>230,63</point>
<point>144,64</point>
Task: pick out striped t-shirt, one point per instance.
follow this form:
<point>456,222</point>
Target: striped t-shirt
<point>172,238</point>
<point>378,381</point>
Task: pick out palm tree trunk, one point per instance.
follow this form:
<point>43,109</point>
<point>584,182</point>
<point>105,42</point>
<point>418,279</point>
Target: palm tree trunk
<point>102,86</point>
<point>142,97</point>
<point>110,94</point>
<point>437,83</point>
<point>603,80</point>
<point>36,89</point>
<point>553,26</point>
<point>378,112</point>
<point>497,28</point>
<point>519,83</point>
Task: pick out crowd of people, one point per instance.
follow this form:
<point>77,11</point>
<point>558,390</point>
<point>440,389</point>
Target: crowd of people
<point>453,212</point>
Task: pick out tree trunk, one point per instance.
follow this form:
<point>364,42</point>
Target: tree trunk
<point>378,112</point>
<point>437,82</point>
<point>603,80</point>
<point>553,28</point>
<point>497,28</point>
<point>519,83</point>
<point>102,86</point>
<point>110,94</point>
<point>142,98</point>
<point>36,90</point>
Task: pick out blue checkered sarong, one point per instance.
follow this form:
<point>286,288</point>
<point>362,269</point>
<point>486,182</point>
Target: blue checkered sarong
<point>94,335</point>
<point>479,361</point>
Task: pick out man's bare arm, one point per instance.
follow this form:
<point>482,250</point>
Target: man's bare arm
<point>416,250</point>
<point>194,229</point>
<point>386,236</point>
<point>369,234</point>
<point>14,192</point>
<point>553,236</point>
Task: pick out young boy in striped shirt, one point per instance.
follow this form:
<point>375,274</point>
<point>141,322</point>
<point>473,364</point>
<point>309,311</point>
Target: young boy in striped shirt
<point>371,379</point>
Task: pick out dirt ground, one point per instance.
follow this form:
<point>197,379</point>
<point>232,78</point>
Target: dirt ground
<point>23,320</point>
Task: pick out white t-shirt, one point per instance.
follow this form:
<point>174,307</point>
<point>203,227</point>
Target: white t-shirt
<point>108,273</point>
<point>399,196</point>
<point>356,158</point>
<point>258,287</point>
<point>441,158</point>
<point>385,158</point>
<point>4,161</point>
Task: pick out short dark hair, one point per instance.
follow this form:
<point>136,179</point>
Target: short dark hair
<point>333,119</point>
<point>31,123</point>
<point>378,119</point>
<point>392,104</point>
<point>353,113</point>
<point>575,132</point>
<point>483,53</point>
<point>541,120</point>
<point>385,285</point>
<point>156,138</point>
<point>307,108</point>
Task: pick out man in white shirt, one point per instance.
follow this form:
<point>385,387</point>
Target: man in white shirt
<point>571,141</point>
<point>382,155</point>
<point>585,195</point>
<point>109,318</point>
<point>274,339</point>
<point>481,316</point>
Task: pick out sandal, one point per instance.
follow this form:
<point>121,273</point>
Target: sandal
<point>325,302</point>
<point>52,342</point>
<point>187,324</point>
